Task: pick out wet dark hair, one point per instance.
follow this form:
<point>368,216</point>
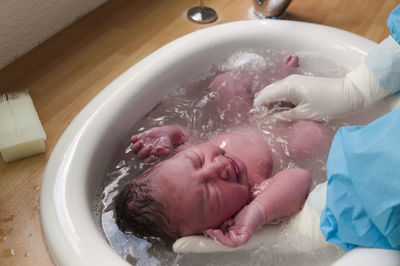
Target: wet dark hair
<point>138,213</point>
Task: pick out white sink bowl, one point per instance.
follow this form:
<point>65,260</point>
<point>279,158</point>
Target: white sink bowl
<point>77,165</point>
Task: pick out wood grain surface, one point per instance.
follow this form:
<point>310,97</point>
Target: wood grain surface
<point>65,72</point>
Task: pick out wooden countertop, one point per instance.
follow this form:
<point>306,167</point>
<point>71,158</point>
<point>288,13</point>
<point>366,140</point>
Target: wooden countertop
<point>64,73</point>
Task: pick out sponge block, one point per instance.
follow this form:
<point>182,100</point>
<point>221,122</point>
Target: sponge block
<point>21,133</point>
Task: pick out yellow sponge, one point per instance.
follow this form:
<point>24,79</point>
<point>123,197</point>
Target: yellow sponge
<point>21,133</point>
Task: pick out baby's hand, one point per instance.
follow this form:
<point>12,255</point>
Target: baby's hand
<point>158,141</point>
<point>238,230</point>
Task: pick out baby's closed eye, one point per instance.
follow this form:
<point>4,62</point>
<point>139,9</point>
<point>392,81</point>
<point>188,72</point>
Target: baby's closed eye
<point>195,159</point>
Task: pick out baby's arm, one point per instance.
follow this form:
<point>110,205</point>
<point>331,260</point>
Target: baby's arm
<point>282,195</point>
<point>308,138</point>
<point>158,141</point>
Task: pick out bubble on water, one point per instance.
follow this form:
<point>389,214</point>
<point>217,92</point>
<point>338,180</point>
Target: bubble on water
<point>207,99</point>
<point>245,61</point>
<point>129,148</point>
<point>121,164</point>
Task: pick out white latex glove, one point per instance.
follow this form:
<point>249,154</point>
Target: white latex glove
<point>323,98</point>
<point>299,233</point>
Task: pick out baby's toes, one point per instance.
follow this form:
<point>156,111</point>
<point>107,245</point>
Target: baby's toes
<point>292,60</point>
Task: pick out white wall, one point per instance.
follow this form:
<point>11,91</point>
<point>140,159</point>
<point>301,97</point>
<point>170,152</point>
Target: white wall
<point>26,23</point>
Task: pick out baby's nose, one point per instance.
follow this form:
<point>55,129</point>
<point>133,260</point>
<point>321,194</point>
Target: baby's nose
<point>217,151</point>
<point>224,174</point>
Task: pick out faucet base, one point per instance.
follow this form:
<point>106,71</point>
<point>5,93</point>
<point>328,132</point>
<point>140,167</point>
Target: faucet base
<point>202,14</point>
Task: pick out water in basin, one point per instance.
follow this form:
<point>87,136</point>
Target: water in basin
<point>193,105</point>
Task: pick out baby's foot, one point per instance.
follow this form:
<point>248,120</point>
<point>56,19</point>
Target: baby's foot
<point>292,60</point>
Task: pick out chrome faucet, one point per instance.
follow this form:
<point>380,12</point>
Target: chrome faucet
<point>270,8</point>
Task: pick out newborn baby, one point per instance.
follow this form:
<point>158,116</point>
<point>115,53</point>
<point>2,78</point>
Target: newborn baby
<point>226,187</point>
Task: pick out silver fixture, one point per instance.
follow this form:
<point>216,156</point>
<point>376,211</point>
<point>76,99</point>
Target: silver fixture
<point>202,14</point>
<point>270,8</point>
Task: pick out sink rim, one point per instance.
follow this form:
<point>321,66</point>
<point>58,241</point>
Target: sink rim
<point>62,216</point>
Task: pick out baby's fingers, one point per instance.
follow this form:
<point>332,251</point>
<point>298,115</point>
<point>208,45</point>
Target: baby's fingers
<point>136,137</point>
<point>221,237</point>
<point>137,146</point>
<point>214,233</point>
<point>150,159</point>
<point>230,222</point>
<point>145,152</point>
<point>163,150</point>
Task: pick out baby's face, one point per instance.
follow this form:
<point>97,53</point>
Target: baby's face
<point>201,187</point>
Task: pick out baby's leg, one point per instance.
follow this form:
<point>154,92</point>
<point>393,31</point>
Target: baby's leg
<point>289,67</point>
<point>292,60</point>
<point>233,92</point>
<point>307,138</point>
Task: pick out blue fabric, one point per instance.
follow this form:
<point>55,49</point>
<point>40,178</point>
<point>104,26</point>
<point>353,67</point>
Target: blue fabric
<point>363,192</point>
<point>393,24</point>
<point>384,59</point>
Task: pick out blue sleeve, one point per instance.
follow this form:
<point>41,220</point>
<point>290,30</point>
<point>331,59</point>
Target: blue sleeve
<point>363,192</point>
<point>384,59</point>
<point>393,24</point>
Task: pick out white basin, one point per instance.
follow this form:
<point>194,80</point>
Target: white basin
<point>77,165</point>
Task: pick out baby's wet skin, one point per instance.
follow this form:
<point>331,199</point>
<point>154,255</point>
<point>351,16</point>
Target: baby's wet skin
<point>235,90</point>
<point>202,187</point>
<point>252,148</point>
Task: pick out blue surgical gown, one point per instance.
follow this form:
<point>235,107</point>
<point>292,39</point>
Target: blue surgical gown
<point>363,168</point>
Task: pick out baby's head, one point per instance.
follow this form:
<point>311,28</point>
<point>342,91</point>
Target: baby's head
<point>197,189</point>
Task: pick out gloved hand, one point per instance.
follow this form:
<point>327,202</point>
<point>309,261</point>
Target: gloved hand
<point>238,230</point>
<point>320,98</point>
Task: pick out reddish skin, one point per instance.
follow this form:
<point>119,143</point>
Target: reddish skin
<point>234,90</point>
<point>207,187</point>
<point>218,201</point>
